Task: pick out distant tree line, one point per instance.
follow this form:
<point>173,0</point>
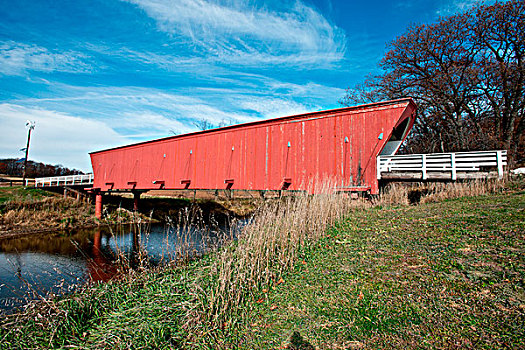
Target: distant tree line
<point>15,167</point>
<point>467,75</point>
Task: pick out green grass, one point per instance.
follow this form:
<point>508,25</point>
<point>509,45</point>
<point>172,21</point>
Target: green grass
<point>141,310</point>
<point>22,194</point>
<point>439,275</point>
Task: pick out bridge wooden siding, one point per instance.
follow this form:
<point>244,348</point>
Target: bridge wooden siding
<point>278,154</point>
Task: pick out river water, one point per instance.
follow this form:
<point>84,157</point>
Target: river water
<point>34,266</point>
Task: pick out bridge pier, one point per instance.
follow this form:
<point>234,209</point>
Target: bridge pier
<point>98,205</point>
<point>136,200</point>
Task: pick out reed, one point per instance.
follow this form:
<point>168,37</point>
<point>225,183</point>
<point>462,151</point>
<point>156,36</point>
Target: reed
<point>51,213</point>
<point>267,247</point>
<point>272,242</point>
<point>414,193</point>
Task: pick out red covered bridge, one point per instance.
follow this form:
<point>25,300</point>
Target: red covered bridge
<point>286,153</point>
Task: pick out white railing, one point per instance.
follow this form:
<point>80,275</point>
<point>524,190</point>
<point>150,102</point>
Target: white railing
<point>442,162</point>
<point>70,180</point>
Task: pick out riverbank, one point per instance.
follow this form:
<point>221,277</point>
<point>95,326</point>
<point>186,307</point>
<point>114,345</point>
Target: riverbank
<point>26,211</point>
<point>318,270</point>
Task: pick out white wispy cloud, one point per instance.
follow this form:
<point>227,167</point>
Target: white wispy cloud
<point>274,107</point>
<point>310,90</point>
<point>113,103</point>
<point>58,138</point>
<point>18,58</point>
<point>238,32</point>
<point>458,6</point>
<point>149,125</point>
<point>243,100</point>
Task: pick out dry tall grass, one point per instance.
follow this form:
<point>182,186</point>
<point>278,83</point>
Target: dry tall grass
<point>270,243</point>
<point>48,213</point>
<point>413,193</point>
<point>267,246</point>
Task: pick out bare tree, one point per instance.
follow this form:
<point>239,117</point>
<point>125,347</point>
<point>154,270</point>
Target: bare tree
<point>466,74</point>
<point>499,36</point>
<point>203,124</point>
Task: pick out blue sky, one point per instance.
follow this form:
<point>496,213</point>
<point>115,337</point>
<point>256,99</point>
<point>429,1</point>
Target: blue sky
<point>95,74</point>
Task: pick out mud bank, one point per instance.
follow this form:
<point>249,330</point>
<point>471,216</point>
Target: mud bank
<point>26,215</point>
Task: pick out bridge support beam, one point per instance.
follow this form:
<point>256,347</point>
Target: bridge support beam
<point>136,200</point>
<point>98,205</point>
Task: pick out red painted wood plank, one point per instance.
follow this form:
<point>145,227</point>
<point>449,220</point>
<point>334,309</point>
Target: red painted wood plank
<point>340,145</point>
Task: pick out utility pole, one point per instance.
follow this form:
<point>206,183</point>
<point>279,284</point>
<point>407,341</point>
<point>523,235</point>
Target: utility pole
<point>30,125</point>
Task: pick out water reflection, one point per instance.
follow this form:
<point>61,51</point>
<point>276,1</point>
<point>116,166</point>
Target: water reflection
<point>100,266</point>
<point>34,266</point>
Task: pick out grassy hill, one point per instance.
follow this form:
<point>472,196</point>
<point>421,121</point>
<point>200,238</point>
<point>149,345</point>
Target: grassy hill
<point>439,275</point>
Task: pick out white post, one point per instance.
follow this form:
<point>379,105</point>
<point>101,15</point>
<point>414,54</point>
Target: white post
<point>378,170</point>
<point>453,165</point>
<point>500,164</point>
<point>424,166</point>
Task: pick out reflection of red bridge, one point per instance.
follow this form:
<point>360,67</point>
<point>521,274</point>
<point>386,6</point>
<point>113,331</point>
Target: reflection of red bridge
<point>99,267</point>
<point>102,267</point>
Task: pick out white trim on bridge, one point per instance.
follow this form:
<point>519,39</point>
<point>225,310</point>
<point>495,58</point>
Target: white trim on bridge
<point>441,165</point>
<point>69,180</point>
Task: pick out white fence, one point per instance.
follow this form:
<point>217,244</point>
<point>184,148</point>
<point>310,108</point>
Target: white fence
<point>69,180</point>
<point>442,162</point>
